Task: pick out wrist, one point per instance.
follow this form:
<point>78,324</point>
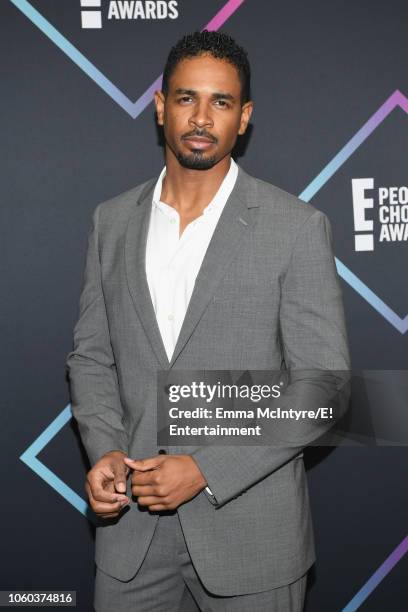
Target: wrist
<point>116,452</point>
<point>201,480</point>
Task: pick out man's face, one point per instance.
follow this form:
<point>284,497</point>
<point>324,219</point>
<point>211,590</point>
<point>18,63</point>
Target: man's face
<point>202,113</point>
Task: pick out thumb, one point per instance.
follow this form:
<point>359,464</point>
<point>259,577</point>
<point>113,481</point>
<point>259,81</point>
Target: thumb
<point>143,465</point>
<point>120,473</point>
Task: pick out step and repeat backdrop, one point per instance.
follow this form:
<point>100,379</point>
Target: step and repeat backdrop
<point>330,87</point>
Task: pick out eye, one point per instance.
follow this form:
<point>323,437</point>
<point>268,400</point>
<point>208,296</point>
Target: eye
<point>222,103</point>
<point>185,99</point>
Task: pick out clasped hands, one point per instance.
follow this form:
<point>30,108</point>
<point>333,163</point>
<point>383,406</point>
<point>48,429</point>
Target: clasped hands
<point>163,482</point>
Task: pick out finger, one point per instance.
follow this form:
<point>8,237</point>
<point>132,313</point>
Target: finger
<point>97,486</point>
<point>107,509</point>
<point>120,471</point>
<point>100,507</point>
<point>147,490</point>
<point>144,464</point>
<point>144,478</point>
<point>158,507</point>
<point>95,504</point>
<point>112,514</point>
<point>148,500</point>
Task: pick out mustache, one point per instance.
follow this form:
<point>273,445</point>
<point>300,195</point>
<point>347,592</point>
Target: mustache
<point>201,133</point>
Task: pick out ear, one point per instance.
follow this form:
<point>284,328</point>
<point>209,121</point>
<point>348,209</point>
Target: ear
<point>159,99</point>
<point>246,112</point>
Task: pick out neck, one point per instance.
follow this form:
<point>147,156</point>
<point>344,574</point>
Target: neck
<point>190,191</point>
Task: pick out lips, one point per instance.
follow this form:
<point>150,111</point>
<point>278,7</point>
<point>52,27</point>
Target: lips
<point>199,142</point>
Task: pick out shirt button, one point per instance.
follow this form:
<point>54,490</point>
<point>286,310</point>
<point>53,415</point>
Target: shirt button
<point>170,317</point>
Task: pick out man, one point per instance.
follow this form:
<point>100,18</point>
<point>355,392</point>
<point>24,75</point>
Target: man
<point>204,268</point>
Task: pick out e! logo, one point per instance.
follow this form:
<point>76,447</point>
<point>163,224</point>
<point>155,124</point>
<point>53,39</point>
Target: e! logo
<point>363,242</point>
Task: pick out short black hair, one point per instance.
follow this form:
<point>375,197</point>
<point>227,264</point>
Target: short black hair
<point>219,45</point>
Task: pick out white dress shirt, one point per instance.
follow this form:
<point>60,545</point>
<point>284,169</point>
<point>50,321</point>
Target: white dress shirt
<point>173,262</point>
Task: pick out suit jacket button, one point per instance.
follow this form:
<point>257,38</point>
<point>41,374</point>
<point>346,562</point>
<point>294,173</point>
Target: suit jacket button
<point>162,451</point>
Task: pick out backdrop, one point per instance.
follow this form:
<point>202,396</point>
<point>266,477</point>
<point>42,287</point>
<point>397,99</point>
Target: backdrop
<point>77,127</point>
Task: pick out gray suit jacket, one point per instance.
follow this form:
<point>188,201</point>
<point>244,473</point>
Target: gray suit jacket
<point>267,296</point>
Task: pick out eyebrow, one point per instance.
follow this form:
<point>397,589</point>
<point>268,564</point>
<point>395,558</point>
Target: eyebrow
<point>218,95</point>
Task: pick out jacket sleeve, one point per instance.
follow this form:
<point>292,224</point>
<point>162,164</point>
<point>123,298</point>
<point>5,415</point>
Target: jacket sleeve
<point>314,345</point>
<point>95,400</point>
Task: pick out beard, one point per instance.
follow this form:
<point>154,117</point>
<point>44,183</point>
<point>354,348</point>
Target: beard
<point>196,160</point>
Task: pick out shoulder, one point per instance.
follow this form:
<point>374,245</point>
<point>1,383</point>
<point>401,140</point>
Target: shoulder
<point>121,206</point>
<point>276,205</point>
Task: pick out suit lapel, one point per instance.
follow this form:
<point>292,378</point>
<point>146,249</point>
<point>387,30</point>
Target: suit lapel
<point>135,256</point>
<point>233,226</point>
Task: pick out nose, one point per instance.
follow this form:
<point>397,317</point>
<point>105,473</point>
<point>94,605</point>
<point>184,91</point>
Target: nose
<point>201,116</point>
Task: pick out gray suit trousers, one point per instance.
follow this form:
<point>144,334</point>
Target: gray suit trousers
<point>168,582</point>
